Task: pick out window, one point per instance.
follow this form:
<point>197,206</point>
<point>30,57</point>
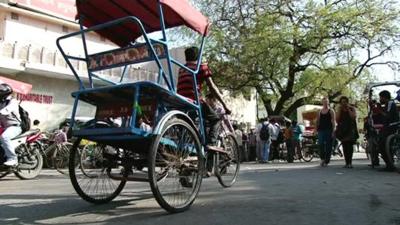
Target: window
<point>14,16</point>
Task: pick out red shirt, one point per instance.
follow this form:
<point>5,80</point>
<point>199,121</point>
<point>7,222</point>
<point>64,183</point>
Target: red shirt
<point>185,80</point>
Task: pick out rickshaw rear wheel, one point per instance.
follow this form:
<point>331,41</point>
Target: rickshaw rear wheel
<point>90,167</point>
<point>176,166</point>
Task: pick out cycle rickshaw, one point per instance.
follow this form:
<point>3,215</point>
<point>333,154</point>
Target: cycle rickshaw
<point>140,130</point>
<point>374,126</point>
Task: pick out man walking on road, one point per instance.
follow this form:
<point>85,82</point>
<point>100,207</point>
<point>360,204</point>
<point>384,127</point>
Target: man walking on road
<point>264,131</point>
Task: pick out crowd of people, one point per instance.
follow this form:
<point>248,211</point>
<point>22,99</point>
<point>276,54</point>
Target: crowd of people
<point>264,143</point>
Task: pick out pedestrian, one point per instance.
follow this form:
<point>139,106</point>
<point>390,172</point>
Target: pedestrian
<point>245,140</point>
<point>238,135</point>
<point>36,124</point>
<point>325,128</point>
<point>346,130</point>
<point>259,147</point>
<point>252,145</point>
<point>288,135</point>
<point>264,131</point>
<point>276,129</point>
<point>297,132</point>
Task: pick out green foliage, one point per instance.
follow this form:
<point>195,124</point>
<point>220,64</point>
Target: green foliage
<point>294,51</point>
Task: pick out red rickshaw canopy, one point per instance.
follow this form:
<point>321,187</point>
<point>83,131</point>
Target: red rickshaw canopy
<point>176,13</point>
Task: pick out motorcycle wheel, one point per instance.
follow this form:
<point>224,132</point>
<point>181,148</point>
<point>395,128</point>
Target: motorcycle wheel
<point>26,174</point>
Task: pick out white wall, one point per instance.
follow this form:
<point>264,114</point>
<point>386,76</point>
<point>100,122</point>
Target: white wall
<point>43,33</point>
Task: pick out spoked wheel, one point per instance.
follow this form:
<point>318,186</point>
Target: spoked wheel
<point>61,158</point>
<point>227,165</point>
<point>30,165</point>
<point>176,166</point>
<point>307,153</point>
<point>93,170</point>
<point>393,149</point>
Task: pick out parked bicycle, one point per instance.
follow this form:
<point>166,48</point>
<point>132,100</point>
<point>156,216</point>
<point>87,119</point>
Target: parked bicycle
<point>309,148</point>
<point>55,149</point>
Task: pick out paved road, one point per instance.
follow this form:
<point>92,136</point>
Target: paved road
<point>299,193</point>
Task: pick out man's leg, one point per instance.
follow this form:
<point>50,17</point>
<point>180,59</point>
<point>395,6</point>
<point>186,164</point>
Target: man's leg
<point>213,120</point>
<point>266,147</point>
<point>297,149</point>
<point>290,151</point>
<point>322,145</point>
<point>252,153</point>
<point>5,139</point>
<point>329,146</point>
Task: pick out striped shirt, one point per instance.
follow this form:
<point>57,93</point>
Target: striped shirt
<point>185,80</point>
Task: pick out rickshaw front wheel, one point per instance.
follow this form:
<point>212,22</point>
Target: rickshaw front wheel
<point>93,169</point>
<point>176,166</point>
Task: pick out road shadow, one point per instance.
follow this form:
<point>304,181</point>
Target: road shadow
<point>37,209</point>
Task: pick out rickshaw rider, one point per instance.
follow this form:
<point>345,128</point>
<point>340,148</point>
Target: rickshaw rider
<point>185,88</point>
<point>388,115</point>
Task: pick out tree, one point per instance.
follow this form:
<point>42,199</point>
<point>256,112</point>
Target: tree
<point>292,51</point>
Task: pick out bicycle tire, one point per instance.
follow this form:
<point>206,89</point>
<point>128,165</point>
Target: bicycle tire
<point>307,154</point>
<point>60,158</point>
<point>234,159</point>
<point>176,152</point>
<point>94,195</point>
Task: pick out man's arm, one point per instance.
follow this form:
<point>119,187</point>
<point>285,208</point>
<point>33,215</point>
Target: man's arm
<point>333,116</point>
<point>318,118</point>
<point>214,90</point>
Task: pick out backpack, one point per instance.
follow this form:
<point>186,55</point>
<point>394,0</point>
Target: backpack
<point>264,132</point>
<point>25,120</point>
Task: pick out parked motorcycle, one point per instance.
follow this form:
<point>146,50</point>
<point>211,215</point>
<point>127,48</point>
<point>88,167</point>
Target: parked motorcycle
<point>30,160</point>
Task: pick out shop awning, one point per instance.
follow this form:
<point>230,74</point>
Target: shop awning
<point>18,86</point>
<point>176,13</point>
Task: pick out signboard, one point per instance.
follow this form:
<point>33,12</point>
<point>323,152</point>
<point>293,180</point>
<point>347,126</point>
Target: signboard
<point>17,86</point>
<point>60,8</point>
<point>38,98</point>
<point>124,56</point>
